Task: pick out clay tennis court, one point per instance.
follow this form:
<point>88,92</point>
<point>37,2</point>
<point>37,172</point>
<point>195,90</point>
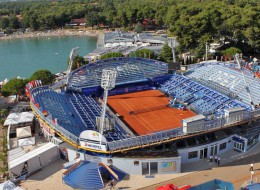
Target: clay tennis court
<point>147,112</point>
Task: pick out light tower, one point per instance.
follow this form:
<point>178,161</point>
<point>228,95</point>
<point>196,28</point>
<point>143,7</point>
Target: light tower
<point>173,44</point>
<point>206,59</point>
<point>246,83</point>
<point>108,82</point>
<point>74,53</point>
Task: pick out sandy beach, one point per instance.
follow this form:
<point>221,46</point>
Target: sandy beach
<point>50,33</point>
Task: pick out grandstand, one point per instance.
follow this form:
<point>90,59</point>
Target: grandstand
<point>139,113</point>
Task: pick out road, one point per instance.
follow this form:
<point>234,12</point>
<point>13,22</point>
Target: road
<point>236,172</point>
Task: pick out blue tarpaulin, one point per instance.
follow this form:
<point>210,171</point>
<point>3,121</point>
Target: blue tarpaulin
<point>88,176</point>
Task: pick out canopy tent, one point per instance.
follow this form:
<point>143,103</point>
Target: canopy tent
<point>8,185</point>
<point>88,175</point>
<point>23,132</point>
<point>17,118</point>
<point>26,141</point>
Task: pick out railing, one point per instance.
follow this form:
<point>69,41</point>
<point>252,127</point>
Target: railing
<point>59,84</point>
<point>158,137</point>
<point>58,128</point>
<point>178,132</point>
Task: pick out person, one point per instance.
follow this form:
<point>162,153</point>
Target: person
<point>218,160</point>
<point>210,158</point>
<point>111,185</point>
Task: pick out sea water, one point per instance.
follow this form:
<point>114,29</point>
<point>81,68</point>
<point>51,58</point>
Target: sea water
<point>22,57</point>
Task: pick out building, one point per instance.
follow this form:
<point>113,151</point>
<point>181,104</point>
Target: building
<point>77,22</point>
<point>118,38</point>
<point>155,121</point>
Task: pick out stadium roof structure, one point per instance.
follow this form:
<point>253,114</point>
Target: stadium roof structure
<point>149,38</point>
<point>118,36</point>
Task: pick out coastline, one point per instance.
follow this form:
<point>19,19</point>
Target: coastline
<point>52,33</point>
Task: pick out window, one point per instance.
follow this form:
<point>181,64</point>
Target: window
<point>222,146</point>
<point>193,154</point>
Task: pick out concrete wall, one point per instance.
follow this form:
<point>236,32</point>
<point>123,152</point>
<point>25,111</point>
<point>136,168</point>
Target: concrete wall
<point>185,152</point>
<point>129,166</point>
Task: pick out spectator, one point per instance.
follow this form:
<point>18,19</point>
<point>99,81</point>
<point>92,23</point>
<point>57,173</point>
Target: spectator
<point>218,160</point>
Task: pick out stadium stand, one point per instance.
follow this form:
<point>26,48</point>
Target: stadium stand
<point>75,112</point>
<point>207,88</point>
<point>229,76</point>
<point>201,99</point>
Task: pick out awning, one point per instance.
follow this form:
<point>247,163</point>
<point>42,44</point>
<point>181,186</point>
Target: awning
<point>23,132</point>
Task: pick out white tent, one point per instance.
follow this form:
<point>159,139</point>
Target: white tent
<point>115,44</point>
<point>108,45</point>
<point>36,159</point>
<point>17,118</point>
<point>23,132</point>
<point>8,185</point>
<point>26,141</point>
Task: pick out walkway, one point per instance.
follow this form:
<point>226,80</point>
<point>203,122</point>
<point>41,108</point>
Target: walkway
<point>234,168</point>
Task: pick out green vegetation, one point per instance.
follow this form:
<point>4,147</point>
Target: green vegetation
<point>231,51</point>
<point>17,86</point>
<point>192,22</point>
<point>78,62</point>
<point>14,86</point>
<point>111,55</point>
<point>166,54</point>
<point>145,53</point>
<point>139,28</point>
<point>44,75</point>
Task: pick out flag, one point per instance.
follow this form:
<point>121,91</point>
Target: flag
<point>45,113</point>
<point>54,120</point>
<point>37,83</point>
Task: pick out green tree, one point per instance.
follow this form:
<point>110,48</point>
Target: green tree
<point>92,19</point>
<point>4,22</point>
<point>14,87</point>
<point>111,55</point>
<point>44,75</point>
<point>3,112</point>
<point>231,51</point>
<point>13,22</point>
<point>166,54</point>
<point>145,53</point>
<point>78,62</point>
<point>139,28</point>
